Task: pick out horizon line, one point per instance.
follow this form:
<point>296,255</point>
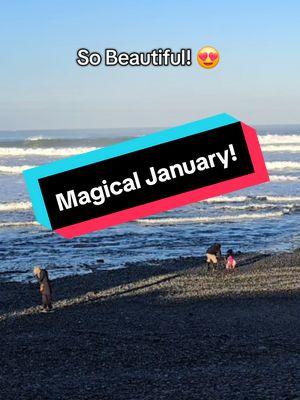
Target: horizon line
<point>127,127</point>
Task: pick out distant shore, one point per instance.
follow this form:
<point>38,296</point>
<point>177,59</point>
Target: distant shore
<point>157,330</point>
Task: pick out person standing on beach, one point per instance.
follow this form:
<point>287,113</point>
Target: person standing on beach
<point>213,254</point>
<point>45,287</point>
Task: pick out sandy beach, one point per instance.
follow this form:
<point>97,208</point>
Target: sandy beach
<point>157,330</point>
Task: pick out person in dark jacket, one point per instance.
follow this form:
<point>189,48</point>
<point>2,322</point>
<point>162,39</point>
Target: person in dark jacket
<point>45,287</point>
<point>213,255</point>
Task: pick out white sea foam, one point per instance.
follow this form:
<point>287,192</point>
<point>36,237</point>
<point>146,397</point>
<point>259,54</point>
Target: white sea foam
<point>241,199</point>
<point>225,199</point>
<point>35,138</point>
<point>5,169</point>
<point>282,165</point>
<point>283,178</point>
<point>281,148</point>
<point>8,207</point>
<point>279,139</point>
<point>17,224</point>
<point>249,206</point>
<point>206,220</point>
<point>47,152</point>
<point>283,199</point>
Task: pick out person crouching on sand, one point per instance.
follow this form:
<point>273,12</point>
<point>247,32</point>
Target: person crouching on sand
<point>230,261</point>
<point>213,254</point>
<point>45,287</point>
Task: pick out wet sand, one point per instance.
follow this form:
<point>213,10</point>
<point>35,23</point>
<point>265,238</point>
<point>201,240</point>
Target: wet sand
<point>157,330</point>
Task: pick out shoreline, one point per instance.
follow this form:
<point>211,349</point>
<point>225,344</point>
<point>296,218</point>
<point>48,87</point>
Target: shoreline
<point>65,286</point>
<point>94,268</point>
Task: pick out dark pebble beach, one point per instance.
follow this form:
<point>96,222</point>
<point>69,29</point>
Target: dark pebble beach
<point>157,330</point>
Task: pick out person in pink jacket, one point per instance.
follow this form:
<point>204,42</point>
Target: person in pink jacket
<point>230,261</point>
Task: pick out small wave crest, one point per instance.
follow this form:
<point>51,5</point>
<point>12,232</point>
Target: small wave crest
<point>279,139</point>
<point>241,199</point>
<point>17,224</point>
<point>283,178</point>
<point>249,207</point>
<point>47,152</point>
<point>282,165</point>
<point>281,148</point>
<point>36,138</point>
<point>8,207</point>
<point>211,220</point>
<point>283,199</point>
<point>4,169</point>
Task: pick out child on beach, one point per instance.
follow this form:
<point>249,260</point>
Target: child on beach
<point>230,261</point>
<point>45,287</point>
<point>213,254</point>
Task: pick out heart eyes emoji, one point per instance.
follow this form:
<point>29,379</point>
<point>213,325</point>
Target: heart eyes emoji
<point>208,57</point>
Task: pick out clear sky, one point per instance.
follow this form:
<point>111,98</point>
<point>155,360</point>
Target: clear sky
<point>41,86</point>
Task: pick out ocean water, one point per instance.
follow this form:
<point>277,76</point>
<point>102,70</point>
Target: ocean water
<point>264,218</point>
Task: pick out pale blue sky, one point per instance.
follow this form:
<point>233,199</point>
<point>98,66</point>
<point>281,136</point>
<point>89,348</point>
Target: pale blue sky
<point>41,86</point>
